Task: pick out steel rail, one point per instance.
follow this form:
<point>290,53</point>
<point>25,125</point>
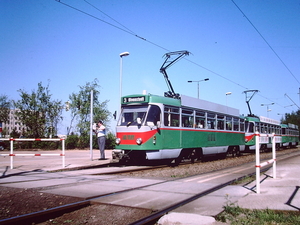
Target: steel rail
<point>155,216</point>
<point>151,219</point>
<point>41,216</point>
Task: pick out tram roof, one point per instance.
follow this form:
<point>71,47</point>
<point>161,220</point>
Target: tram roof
<point>209,106</point>
<point>184,101</point>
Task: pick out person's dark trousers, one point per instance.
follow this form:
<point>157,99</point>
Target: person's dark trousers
<point>101,144</point>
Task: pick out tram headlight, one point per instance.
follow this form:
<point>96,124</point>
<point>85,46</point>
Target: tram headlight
<point>118,141</point>
<point>139,141</point>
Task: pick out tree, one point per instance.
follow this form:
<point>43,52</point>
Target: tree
<point>54,116</point>
<point>38,112</point>
<point>293,118</point>
<point>80,104</point>
<point>4,108</point>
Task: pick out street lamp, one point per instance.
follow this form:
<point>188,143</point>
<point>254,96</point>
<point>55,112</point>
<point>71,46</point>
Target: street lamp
<point>268,110</point>
<point>123,54</point>
<point>227,93</point>
<point>198,81</point>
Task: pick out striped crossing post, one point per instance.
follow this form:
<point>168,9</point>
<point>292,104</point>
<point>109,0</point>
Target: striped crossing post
<point>274,154</point>
<point>257,162</point>
<point>258,165</point>
<point>11,154</point>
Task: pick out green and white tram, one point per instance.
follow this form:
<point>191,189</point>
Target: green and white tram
<point>266,127</point>
<point>290,135</point>
<point>153,127</point>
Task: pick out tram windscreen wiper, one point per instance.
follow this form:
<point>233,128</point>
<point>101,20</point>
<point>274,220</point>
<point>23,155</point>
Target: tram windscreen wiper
<point>129,123</point>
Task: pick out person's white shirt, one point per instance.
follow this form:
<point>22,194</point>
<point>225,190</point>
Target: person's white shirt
<point>101,131</point>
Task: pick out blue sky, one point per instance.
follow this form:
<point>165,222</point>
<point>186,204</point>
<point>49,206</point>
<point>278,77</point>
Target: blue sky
<point>45,40</point>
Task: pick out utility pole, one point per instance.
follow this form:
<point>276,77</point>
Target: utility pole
<point>299,95</point>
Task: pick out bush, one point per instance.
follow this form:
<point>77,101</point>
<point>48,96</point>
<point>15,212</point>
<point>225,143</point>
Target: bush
<point>83,142</point>
<point>71,141</point>
<point>110,141</point>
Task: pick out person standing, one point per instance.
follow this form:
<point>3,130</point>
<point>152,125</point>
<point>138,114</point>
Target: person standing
<point>101,139</point>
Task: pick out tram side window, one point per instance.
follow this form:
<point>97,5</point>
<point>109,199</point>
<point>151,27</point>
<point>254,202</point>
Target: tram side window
<point>236,124</point>
<point>200,119</point>
<point>228,123</point>
<point>171,116</point>
<point>272,129</point>
<point>249,127</point>
<point>187,118</point>
<point>242,125</point>
<point>278,130</point>
<point>268,128</point>
<point>264,128</point>
<point>257,127</point>
<point>211,120</point>
<point>220,122</point>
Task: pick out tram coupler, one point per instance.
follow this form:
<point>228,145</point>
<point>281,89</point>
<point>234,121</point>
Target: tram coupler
<point>118,154</point>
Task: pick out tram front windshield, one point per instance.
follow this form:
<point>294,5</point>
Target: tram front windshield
<point>136,115</point>
<point>133,115</point>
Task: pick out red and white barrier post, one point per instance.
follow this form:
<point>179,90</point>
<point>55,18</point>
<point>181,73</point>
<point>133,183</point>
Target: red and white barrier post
<point>274,155</point>
<point>28,154</point>
<point>257,162</point>
<point>258,165</point>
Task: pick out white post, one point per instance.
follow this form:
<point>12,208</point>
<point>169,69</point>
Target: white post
<point>91,126</point>
<point>11,153</point>
<point>63,152</point>
<point>257,162</point>
<point>274,154</point>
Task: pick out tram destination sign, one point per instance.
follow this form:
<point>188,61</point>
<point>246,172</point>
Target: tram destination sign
<point>134,99</point>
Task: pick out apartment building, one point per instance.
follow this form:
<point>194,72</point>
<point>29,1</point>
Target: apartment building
<point>13,123</point>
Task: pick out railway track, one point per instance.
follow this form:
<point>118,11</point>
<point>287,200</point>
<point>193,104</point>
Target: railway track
<point>41,216</point>
<point>38,217</point>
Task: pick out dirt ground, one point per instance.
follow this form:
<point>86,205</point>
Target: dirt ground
<point>15,202</point>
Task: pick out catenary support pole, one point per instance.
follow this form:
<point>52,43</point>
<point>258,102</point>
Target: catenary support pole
<point>91,127</point>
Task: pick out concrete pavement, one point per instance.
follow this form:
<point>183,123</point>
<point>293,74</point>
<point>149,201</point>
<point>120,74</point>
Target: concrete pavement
<point>48,162</point>
<point>281,193</point>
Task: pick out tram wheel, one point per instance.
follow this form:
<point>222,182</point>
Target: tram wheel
<point>178,160</point>
<point>263,148</point>
<point>233,151</point>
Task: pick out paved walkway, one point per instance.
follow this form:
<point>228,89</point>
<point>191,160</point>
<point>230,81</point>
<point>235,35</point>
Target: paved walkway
<point>73,159</point>
<point>281,193</point>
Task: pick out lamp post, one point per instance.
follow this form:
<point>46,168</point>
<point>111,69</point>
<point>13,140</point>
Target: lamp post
<point>123,54</point>
<point>268,110</point>
<point>198,81</point>
<point>227,93</point>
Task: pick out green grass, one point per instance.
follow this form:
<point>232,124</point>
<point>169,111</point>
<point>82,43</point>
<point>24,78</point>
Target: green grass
<point>244,180</point>
<point>235,215</point>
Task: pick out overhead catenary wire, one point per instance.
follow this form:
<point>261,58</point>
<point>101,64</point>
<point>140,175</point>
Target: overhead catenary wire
<point>124,29</point>
<point>128,31</point>
<point>272,49</point>
<point>110,17</point>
